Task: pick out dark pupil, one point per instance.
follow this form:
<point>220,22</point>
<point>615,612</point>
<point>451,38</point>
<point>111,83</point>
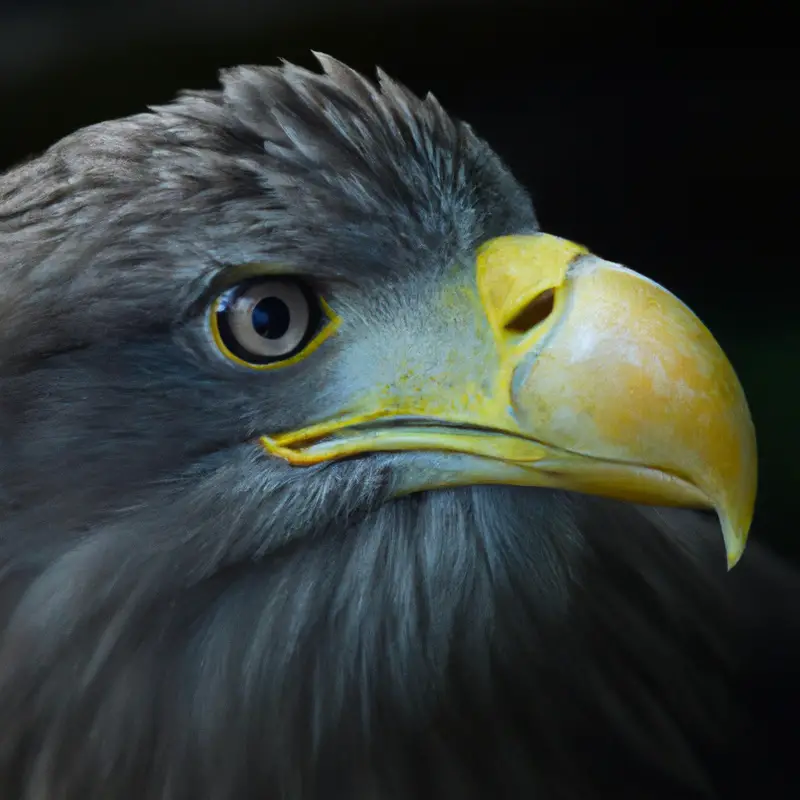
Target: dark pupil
<point>271,318</point>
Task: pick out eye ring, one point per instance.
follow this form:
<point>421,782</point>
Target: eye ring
<point>269,322</point>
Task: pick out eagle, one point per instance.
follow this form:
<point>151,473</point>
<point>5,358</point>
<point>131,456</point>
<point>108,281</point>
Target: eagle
<point>327,474</point>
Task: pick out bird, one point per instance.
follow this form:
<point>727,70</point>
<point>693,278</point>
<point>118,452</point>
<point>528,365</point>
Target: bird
<point>328,474</point>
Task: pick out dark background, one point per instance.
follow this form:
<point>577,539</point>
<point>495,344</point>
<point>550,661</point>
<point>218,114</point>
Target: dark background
<point>678,161</point>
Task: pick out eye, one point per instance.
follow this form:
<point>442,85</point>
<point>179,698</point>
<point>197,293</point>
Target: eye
<point>270,322</point>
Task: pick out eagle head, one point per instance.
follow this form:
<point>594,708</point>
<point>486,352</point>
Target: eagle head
<point>326,473</point>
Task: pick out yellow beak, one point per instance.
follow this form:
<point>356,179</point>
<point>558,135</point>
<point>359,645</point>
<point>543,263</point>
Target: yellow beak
<point>600,381</point>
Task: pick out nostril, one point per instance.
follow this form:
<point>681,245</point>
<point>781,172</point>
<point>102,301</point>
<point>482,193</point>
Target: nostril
<point>532,313</point>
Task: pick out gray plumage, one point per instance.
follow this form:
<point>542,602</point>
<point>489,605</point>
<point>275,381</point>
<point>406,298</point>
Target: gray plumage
<point>184,617</point>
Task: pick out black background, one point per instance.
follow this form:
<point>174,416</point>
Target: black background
<point>678,161</point>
